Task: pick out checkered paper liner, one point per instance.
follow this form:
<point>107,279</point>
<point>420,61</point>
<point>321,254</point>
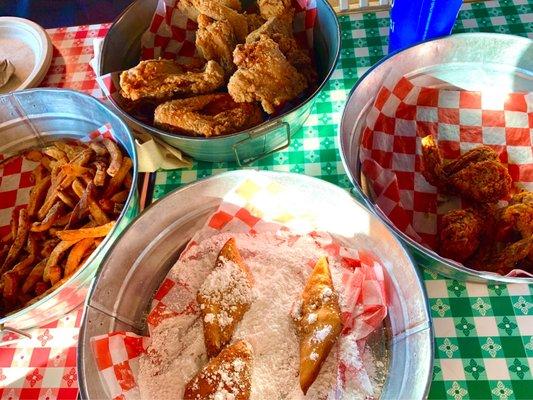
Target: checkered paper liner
<point>402,114</point>
<point>172,36</point>
<point>16,180</point>
<point>255,206</point>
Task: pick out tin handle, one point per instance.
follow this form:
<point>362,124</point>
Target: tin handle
<point>261,133</point>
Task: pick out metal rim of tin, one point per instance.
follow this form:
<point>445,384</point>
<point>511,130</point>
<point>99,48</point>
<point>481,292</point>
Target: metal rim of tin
<point>355,180</point>
<point>264,125</point>
<point>12,317</point>
<point>426,327</point>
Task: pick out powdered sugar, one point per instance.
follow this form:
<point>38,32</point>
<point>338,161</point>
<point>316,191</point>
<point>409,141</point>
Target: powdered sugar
<point>280,268</point>
<point>320,335</point>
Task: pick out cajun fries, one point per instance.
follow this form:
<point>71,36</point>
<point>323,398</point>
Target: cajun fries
<point>79,191</point>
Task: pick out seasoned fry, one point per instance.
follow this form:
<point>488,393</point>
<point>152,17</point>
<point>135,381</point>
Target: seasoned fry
<point>18,243</point>
<point>39,173</point>
<point>40,288</point>
<point>48,246</point>
<point>54,274</point>
<point>76,254</point>
<point>56,154</point>
<point>37,194</point>
<point>83,157</point>
<point>78,234</point>
<point>65,198</point>
<point>116,181</point>
<point>120,197</point>
<point>62,221</point>
<point>97,213</point>
<point>99,176</point>
<point>128,181</point>
<point>78,188</point>
<point>116,156</point>
<point>33,155</point>
<point>53,215</point>
<point>36,274</point>
<point>10,284</point>
<point>53,260</point>
<point>98,148</point>
<point>51,195</point>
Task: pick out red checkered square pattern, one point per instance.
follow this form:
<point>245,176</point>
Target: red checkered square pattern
<point>403,114</point>
<point>73,49</point>
<point>117,353</point>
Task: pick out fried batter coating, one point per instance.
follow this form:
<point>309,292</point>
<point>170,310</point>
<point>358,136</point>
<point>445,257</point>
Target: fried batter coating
<point>188,8</point>
<point>273,8</point>
<point>254,21</point>
<point>208,115</point>
<point>264,74</point>
<point>279,24</point>
<point>162,79</point>
<point>460,234</point>
<point>215,40</point>
<point>220,12</point>
<point>477,174</point>
<point>484,182</point>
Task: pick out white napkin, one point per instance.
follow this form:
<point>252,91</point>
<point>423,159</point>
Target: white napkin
<point>153,153</point>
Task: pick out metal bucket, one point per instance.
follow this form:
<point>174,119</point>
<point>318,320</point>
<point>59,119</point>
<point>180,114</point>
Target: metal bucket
<point>121,50</point>
<point>472,61</point>
<point>59,114</point>
<point>142,257</point>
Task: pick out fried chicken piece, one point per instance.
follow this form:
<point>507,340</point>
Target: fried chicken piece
<point>188,8</point>
<point>299,58</point>
<point>477,175</point>
<point>162,79</point>
<point>318,322</point>
<point>228,375</point>
<point>506,259</point>
<point>224,298</point>
<point>273,8</point>
<point>460,234</point>
<point>523,197</point>
<point>216,41</point>
<point>520,217</point>
<point>254,21</point>
<point>221,12</point>
<point>264,74</point>
<point>207,115</point>
<point>485,181</point>
<point>280,24</point>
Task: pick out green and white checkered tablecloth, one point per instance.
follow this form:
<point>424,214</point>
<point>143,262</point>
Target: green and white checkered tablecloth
<point>483,334</point>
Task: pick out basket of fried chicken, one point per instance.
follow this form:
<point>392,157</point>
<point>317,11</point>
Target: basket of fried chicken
<point>452,172</point>
<point>212,68</point>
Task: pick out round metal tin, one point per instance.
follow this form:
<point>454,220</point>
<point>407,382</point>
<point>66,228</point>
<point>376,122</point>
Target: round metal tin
<point>31,118</point>
<point>139,261</point>
<point>121,50</point>
<point>471,61</point>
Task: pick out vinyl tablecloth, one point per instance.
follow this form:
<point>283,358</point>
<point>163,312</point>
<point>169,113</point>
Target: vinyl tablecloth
<point>484,334</point>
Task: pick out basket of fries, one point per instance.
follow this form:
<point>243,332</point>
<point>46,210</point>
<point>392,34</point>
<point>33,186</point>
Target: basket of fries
<point>67,188</point>
<point>221,81</point>
<point>437,140</point>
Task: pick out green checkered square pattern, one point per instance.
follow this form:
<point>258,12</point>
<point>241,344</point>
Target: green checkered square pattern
<point>483,333</point>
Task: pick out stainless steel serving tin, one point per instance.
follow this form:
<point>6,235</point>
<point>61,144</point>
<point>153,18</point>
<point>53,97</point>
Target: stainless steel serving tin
<point>121,50</point>
<point>470,61</point>
<point>133,270</point>
<point>57,114</point>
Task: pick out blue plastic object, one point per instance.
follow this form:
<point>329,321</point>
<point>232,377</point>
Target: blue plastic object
<point>413,21</point>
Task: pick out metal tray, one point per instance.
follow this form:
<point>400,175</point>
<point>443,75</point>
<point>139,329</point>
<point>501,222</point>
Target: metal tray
<point>121,50</point>
<point>141,258</point>
<point>59,114</point>
<point>470,61</point>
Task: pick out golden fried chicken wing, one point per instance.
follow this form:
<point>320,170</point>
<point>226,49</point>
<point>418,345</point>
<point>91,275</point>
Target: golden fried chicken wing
<point>273,8</point>
<point>227,376</point>
<point>188,8</point>
<point>224,298</point>
<point>477,175</point>
<point>318,322</point>
<point>484,181</point>
<point>279,24</point>
<point>215,40</point>
<point>299,58</point>
<point>220,12</point>
<point>460,234</point>
<point>162,79</point>
<point>207,115</point>
<point>264,74</point>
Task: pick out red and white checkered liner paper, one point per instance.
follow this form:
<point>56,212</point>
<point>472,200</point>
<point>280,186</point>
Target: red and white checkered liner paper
<point>117,353</point>
<point>172,36</point>
<point>402,114</point>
